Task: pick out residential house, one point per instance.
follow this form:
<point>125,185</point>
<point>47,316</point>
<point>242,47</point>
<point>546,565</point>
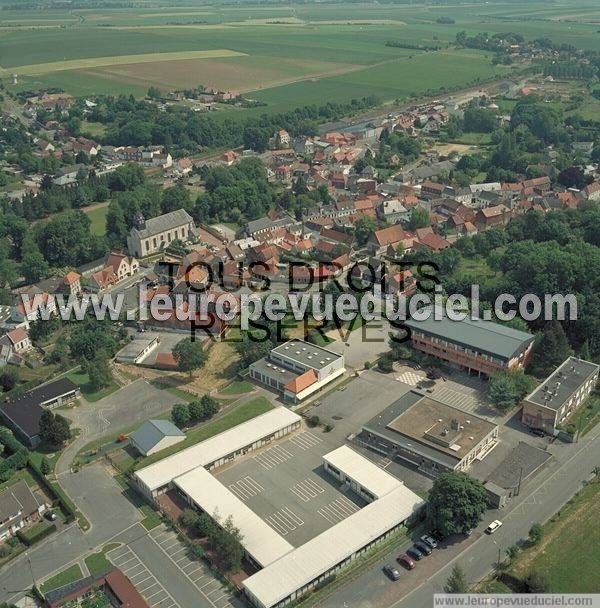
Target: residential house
<point>68,175</point>
<point>18,508</point>
<point>392,210</point>
<point>33,305</point>
<point>380,240</point>
<point>492,217</point>
<point>433,242</point>
<point>17,340</point>
<point>71,283</point>
<point>283,139</point>
<point>229,157</point>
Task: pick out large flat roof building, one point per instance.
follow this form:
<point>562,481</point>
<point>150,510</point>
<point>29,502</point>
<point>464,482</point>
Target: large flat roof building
<point>301,570</point>
<point>23,413</point>
<point>430,434</point>
<point>215,451</point>
<point>298,369</point>
<point>560,394</point>
<point>477,346</point>
<point>284,572</point>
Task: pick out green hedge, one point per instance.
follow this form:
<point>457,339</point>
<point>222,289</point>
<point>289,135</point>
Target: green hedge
<point>36,533</point>
<point>65,503</point>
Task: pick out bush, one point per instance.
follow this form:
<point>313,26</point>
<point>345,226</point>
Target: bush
<point>313,421</point>
<point>385,364</point>
<point>197,550</point>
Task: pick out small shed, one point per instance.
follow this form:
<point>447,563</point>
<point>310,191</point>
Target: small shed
<point>155,435</point>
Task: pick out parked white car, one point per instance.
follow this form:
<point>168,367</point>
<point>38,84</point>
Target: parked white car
<point>493,526</point>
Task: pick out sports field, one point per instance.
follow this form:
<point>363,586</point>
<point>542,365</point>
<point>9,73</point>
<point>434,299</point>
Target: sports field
<point>284,56</point>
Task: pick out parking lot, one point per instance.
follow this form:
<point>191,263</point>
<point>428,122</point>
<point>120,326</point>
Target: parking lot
<point>163,571</point>
<point>285,484</point>
<point>144,581</point>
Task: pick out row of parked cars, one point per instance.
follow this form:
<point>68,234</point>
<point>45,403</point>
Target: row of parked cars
<point>421,548</point>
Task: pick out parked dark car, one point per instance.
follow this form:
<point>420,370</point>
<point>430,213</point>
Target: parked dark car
<point>405,561</point>
<point>392,572</point>
<point>423,548</point>
<point>414,553</point>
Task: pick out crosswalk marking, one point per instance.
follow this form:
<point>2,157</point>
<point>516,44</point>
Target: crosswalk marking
<point>246,488</point>
<point>272,457</point>
<point>307,490</point>
<point>337,510</point>
<point>284,521</point>
<point>305,440</point>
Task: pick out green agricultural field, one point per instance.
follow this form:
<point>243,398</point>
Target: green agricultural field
<point>284,55</point>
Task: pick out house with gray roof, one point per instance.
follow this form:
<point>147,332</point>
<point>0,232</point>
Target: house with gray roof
<point>156,234</point>
<point>18,507</point>
<point>155,435</point>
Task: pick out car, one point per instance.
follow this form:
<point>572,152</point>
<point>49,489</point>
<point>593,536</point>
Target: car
<point>404,560</point>
<point>423,548</point>
<point>538,432</point>
<point>429,540</point>
<point>414,553</point>
<point>392,572</point>
<point>50,515</point>
<point>493,526</point>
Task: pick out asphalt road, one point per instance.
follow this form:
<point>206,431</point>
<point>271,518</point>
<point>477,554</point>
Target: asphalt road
<point>541,498</point>
<point>100,498</point>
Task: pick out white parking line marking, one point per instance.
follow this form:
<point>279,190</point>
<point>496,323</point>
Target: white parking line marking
<point>307,489</point>
<point>272,457</point>
<point>305,440</point>
<point>337,510</point>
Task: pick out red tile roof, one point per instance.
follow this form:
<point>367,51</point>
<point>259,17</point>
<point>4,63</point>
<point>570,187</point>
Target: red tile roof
<point>302,382</point>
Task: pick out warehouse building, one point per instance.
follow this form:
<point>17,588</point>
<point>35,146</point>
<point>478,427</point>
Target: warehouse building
<point>298,369</point>
<point>23,413</point>
<point>553,401</point>
<point>157,478</point>
<point>476,346</point>
<point>429,434</point>
<point>297,572</point>
<point>284,572</point>
<point>364,477</point>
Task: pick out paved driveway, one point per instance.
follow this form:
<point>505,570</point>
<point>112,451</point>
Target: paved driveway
<point>133,403</point>
<point>101,500</point>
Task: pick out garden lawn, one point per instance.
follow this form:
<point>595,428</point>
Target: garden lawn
<point>237,388</point>
<point>569,552</point>
<point>82,380</point>
<point>70,575</point>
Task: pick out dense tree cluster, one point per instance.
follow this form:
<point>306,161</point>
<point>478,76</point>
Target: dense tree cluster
<point>456,503</point>
<point>233,194</point>
<point>131,122</point>
<point>183,414</point>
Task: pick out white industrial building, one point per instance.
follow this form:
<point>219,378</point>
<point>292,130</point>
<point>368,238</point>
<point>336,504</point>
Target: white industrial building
<point>262,544</point>
<point>157,478</point>
<point>285,572</point>
<point>298,369</point>
<point>300,570</point>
